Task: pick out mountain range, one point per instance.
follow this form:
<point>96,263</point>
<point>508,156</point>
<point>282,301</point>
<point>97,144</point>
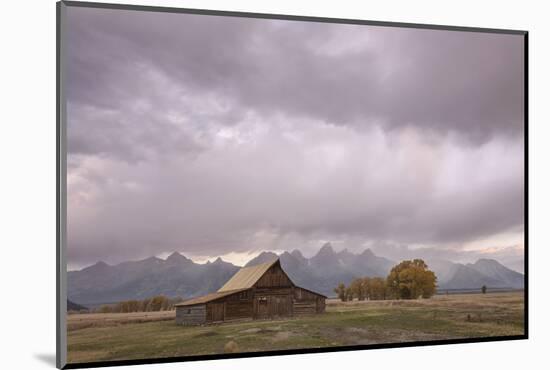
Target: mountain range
<point>327,268</point>
<point>176,276</point>
<point>179,276</point>
<point>484,271</point>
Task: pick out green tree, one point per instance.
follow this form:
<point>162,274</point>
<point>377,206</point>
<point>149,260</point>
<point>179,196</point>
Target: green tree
<point>411,280</point>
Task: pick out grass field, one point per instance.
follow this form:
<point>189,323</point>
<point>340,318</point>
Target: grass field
<point>102,337</point>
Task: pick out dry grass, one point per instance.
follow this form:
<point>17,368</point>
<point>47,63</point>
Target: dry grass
<point>131,336</point>
<point>96,320</point>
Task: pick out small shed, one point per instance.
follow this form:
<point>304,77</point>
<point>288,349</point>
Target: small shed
<point>256,292</point>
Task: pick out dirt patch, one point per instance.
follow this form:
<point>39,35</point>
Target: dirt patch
<point>356,330</point>
<point>282,335</point>
<point>205,334</point>
<point>251,331</point>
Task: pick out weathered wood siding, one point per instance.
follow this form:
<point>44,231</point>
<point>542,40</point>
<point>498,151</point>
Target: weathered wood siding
<point>307,303</point>
<point>272,291</point>
<point>321,304</point>
<point>239,306</point>
<point>191,315</point>
<point>270,306</point>
<point>274,277</point>
<point>281,306</point>
<point>215,311</point>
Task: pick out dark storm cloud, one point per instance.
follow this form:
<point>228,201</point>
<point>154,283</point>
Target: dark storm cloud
<point>467,82</point>
<point>207,134</point>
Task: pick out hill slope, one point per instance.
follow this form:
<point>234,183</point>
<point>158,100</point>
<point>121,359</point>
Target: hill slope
<point>486,272</point>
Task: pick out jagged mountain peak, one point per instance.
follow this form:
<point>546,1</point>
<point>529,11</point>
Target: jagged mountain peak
<point>262,258</point>
<point>218,261</point>
<point>326,250</point>
<point>487,262</point>
<point>177,257</point>
<point>368,253</point>
<point>296,253</point>
<point>487,265</point>
<point>98,266</point>
<point>151,259</point>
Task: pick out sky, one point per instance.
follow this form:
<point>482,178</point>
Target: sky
<point>226,136</point>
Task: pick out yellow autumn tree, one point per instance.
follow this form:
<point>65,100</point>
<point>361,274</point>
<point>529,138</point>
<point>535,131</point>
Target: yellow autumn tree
<point>411,280</point>
<point>358,290</point>
<point>377,288</point>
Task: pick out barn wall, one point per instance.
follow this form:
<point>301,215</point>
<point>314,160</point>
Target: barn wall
<point>272,302</point>
<point>307,303</point>
<point>275,296</point>
<point>270,306</point>
<point>191,315</point>
<point>239,306</point>
<point>272,291</point>
<point>321,305</point>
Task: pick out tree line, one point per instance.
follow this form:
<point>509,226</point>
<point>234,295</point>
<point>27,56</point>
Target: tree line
<point>409,279</point>
<point>156,303</point>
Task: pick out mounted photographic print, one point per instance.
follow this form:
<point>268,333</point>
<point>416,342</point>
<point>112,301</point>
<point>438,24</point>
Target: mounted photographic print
<point>236,184</point>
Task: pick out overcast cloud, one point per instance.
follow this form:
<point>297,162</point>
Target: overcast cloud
<point>212,135</point>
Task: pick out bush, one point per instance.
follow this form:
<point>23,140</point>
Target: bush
<point>157,303</point>
<point>231,347</point>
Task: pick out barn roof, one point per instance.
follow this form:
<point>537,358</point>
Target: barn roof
<point>208,298</point>
<point>311,291</point>
<point>243,280</point>
<point>246,277</point>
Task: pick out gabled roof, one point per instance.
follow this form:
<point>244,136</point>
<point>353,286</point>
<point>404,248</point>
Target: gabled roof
<point>208,298</point>
<point>246,277</point>
<point>243,280</point>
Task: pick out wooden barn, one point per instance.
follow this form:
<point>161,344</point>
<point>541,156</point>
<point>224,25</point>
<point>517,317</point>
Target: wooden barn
<point>257,292</point>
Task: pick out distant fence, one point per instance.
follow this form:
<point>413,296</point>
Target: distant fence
<point>477,290</point>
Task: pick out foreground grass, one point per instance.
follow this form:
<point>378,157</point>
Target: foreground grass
<point>349,323</point>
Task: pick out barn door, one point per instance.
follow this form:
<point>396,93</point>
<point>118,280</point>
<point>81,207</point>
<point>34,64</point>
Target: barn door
<point>262,311</point>
<point>217,311</point>
<point>281,305</point>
